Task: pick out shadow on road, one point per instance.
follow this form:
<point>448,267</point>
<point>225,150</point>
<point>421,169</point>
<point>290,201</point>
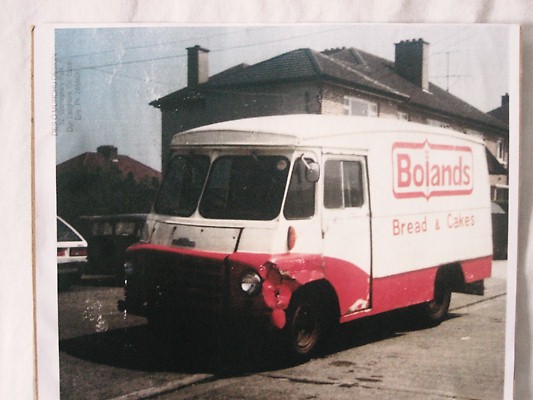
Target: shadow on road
<point>200,351</point>
<point>92,281</point>
<point>377,328</point>
<point>203,350</point>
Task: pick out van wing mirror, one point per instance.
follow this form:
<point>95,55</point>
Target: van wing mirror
<point>312,170</point>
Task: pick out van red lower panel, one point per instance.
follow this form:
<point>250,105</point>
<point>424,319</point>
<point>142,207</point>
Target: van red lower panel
<point>416,287</point>
<point>476,270</point>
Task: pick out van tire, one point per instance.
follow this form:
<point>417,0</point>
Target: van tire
<point>436,310</point>
<point>307,323</point>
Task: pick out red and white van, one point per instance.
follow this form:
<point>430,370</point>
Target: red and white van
<point>303,220</point>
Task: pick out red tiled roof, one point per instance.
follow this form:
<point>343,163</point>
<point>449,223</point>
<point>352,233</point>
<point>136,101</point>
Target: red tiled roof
<point>92,161</point>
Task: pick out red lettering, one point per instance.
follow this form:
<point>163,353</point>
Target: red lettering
<point>446,171</point>
<point>395,227</point>
<point>435,175</point>
<point>404,170</point>
<point>458,172</point>
<point>418,175</point>
<point>424,170</point>
<point>408,228</point>
<point>466,175</point>
<point>456,221</point>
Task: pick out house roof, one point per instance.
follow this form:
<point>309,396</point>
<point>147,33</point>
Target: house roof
<point>501,113</point>
<point>347,66</point>
<point>494,166</point>
<point>302,64</point>
<point>92,161</point>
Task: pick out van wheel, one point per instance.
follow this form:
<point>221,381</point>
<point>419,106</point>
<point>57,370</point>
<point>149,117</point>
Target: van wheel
<point>436,310</point>
<point>306,325</point>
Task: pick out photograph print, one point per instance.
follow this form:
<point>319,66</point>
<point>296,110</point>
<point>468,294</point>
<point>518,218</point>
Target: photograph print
<point>296,211</point>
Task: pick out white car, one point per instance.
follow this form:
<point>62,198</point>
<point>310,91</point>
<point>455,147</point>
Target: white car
<point>71,254</point>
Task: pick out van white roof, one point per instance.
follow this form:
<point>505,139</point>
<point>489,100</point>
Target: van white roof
<point>294,130</point>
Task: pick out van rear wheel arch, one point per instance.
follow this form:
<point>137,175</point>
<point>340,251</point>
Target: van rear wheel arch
<point>447,279</point>
<point>453,276</point>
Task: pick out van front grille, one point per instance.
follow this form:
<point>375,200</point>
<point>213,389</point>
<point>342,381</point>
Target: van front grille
<point>184,282</point>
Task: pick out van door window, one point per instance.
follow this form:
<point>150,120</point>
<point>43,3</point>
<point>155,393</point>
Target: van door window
<point>343,184</point>
<point>300,201</point>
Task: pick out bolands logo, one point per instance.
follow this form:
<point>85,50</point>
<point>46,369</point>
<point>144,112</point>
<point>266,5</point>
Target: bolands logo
<point>430,170</point>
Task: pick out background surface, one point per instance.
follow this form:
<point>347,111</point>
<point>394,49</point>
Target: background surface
<point>17,318</point>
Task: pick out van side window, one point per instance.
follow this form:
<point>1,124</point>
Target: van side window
<point>343,184</point>
<point>300,201</point>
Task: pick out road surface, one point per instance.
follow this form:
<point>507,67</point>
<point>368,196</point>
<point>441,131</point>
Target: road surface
<point>105,354</point>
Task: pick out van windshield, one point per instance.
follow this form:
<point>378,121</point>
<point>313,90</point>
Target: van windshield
<point>182,185</point>
<point>245,187</point>
<point>238,187</point>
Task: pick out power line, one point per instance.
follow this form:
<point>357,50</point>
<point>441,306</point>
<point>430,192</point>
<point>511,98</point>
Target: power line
<point>121,63</point>
<point>380,73</point>
<point>278,40</point>
<point>62,57</point>
<point>120,75</point>
<point>184,55</point>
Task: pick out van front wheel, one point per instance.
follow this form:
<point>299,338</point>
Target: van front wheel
<point>306,324</point>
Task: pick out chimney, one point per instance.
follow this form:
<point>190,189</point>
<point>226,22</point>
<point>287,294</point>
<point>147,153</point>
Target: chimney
<point>109,152</point>
<point>197,65</point>
<point>505,99</point>
<point>411,60</point>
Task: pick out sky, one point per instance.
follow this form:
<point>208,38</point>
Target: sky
<point>105,77</point>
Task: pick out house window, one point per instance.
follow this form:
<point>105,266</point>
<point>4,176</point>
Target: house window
<point>500,151</point>
<point>356,106</point>
<point>403,116</point>
<point>440,124</point>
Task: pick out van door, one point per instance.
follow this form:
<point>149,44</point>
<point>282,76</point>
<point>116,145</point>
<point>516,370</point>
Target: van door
<point>346,230</point>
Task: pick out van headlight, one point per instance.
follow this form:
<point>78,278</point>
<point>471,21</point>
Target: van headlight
<point>251,283</point>
<point>128,268</point>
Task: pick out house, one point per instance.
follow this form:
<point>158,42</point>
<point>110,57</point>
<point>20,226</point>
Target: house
<point>335,81</point>
<point>502,112</point>
<point>500,189</point>
<point>106,158</point>
<point>104,182</point>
